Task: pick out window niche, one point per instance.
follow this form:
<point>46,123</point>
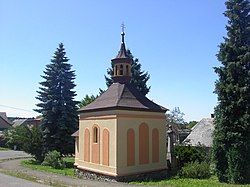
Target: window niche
<point>116,70</point>
<point>127,70</point>
<point>121,70</point>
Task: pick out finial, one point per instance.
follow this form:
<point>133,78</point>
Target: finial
<point>123,33</point>
<point>123,27</point>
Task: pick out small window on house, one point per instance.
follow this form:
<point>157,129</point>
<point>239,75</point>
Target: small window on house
<point>127,70</point>
<point>121,69</point>
<point>95,135</point>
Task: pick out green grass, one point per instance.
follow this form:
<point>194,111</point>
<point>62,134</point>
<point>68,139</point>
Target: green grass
<point>178,182</point>
<point>4,149</point>
<point>68,171</point>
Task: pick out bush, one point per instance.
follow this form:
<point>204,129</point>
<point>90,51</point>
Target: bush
<point>28,139</point>
<point>188,154</point>
<point>196,170</point>
<point>2,139</point>
<point>54,159</point>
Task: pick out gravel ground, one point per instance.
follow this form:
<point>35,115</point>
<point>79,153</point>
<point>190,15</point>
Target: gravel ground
<point>13,154</point>
<point>9,181</point>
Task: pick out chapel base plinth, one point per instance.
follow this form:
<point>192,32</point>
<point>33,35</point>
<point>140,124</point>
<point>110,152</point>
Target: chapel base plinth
<point>147,176</point>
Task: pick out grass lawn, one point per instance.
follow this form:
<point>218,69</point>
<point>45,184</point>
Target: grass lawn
<point>173,182</point>
<point>178,182</point>
<point>69,170</point>
<point>4,149</point>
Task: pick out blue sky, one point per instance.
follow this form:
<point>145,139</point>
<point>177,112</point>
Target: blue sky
<point>175,41</point>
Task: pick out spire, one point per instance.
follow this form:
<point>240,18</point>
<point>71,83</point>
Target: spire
<point>122,63</point>
<point>122,53</point>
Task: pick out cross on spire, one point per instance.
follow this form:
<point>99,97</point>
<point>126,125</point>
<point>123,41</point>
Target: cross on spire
<point>123,33</point>
<point>123,27</point>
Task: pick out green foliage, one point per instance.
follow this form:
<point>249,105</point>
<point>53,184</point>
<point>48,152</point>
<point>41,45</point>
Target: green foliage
<point>196,170</point>
<point>188,182</point>
<point>191,124</point>
<point>28,139</point>
<point>54,159</point>
<point>57,105</point>
<point>188,154</point>
<point>139,77</point>
<point>2,139</point>
<point>86,100</point>
<point>176,117</point>
<point>4,149</point>
<point>68,170</point>
<point>231,146</point>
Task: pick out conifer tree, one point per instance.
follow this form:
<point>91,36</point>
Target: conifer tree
<point>231,146</point>
<point>87,100</point>
<point>57,104</point>
<point>139,77</point>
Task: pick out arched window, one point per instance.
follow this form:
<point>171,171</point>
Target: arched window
<point>95,158</point>
<point>95,135</point>
<point>115,70</point>
<point>143,144</point>
<point>121,69</point>
<point>127,71</point>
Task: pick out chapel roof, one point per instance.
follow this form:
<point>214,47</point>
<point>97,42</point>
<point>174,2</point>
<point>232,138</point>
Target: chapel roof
<point>125,97</point>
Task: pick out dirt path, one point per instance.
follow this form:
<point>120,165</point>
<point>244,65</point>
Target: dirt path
<point>55,179</point>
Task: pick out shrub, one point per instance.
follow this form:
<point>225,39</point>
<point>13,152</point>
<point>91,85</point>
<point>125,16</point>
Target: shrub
<point>188,154</point>
<point>54,159</point>
<point>196,170</point>
<point>28,139</point>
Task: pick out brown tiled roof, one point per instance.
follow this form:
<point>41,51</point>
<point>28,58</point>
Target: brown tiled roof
<point>75,134</point>
<point>122,96</point>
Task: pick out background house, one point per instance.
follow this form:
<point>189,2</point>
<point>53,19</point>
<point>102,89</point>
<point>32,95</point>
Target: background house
<point>201,133</point>
<point>26,121</point>
<point>4,122</point>
<point>179,133</point>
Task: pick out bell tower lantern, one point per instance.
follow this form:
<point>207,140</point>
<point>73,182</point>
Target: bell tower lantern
<point>122,63</point>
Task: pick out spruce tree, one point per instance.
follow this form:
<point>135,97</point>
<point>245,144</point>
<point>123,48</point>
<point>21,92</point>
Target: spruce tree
<point>139,77</point>
<point>87,100</point>
<point>231,146</point>
<point>57,105</point>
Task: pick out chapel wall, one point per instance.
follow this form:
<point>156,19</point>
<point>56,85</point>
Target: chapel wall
<point>151,124</point>
<point>99,159</point>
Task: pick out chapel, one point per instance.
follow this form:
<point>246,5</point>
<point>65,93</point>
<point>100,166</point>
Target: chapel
<point>122,132</point>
